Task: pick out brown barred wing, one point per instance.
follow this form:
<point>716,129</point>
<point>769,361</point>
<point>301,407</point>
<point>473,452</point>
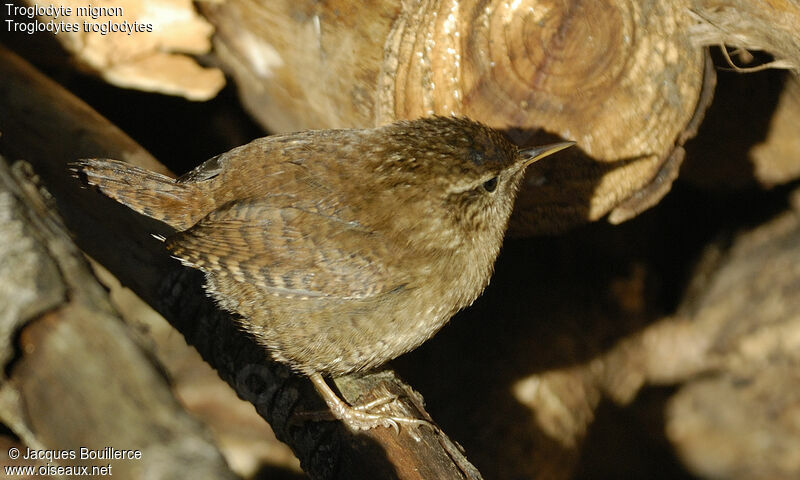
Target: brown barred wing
<point>286,250</point>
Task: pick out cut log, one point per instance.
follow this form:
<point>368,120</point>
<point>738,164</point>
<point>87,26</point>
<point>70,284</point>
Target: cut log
<point>623,80</point>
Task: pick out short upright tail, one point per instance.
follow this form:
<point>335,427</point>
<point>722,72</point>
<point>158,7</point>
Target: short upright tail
<point>179,205</point>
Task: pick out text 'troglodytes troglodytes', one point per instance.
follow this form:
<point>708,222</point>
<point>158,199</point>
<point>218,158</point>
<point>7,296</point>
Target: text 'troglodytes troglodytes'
<point>341,249</point>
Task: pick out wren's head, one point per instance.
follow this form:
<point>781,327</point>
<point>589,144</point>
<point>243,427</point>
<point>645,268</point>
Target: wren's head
<point>469,174</point>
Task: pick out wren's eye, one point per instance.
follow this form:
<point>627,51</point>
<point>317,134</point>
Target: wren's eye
<point>490,185</point>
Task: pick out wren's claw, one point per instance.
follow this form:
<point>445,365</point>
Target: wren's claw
<point>378,402</point>
<point>359,417</point>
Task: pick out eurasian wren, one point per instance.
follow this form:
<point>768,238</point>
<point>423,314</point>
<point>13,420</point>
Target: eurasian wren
<point>341,249</point>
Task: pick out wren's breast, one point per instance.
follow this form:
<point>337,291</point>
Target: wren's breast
<point>403,319</point>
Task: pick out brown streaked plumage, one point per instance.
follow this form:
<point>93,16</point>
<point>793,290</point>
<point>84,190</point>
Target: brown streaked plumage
<point>341,249</point>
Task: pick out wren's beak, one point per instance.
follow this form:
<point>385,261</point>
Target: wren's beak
<point>530,155</point>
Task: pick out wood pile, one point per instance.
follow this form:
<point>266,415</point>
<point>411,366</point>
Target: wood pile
<point>644,317</point>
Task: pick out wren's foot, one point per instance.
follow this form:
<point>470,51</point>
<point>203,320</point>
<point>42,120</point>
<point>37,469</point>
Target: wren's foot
<point>359,418</point>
